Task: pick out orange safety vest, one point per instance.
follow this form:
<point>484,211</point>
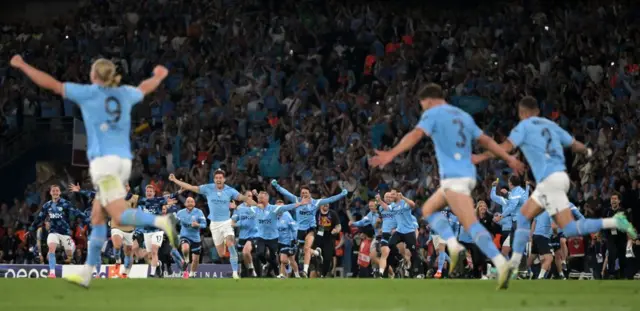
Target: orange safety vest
<point>363,256</point>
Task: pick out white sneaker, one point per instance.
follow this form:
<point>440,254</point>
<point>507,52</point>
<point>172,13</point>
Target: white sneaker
<point>235,275</point>
<point>504,275</point>
<point>455,249</point>
<point>280,276</point>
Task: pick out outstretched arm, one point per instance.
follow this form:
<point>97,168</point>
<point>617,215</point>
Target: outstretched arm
<point>40,78</point>
<point>332,199</point>
<point>184,185</point>
<point>149,85</point>
<point>495,198</point>
<point>288,195</point>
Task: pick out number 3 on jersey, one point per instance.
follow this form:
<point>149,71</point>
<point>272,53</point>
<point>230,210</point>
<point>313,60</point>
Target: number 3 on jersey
<point>113,108</point>
<point>463,138</point>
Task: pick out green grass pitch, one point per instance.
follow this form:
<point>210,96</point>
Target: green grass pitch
<point>317,294</point>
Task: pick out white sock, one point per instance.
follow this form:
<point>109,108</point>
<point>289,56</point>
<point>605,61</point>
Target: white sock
<point>452,243</point>
<point>296,273</point>
<point>160,222</point>
<point>609,223</point>
<point>516,258</point>
<point>499,261</point>
<point>543,272</point>
<point>153,270</point>
<point>381,270</point>
<point>251,265</point>
<point>306,268</point>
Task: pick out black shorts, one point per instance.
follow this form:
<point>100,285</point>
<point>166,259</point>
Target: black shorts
<point>242,242</point>
<point>194,247</point>
<point>386,239</point>
<point>540,245</point>
<point>302,234</point>
<point>139,237</point>
<point>264,244</point>
<point>288,250</point>
<point>554,242</point>
<point>408,238</point>
<point>503,236</point>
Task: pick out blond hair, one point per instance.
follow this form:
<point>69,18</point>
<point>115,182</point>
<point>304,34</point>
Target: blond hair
<point>105,71</point>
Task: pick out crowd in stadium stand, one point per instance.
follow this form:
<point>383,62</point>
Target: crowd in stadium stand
<point>303,91</point>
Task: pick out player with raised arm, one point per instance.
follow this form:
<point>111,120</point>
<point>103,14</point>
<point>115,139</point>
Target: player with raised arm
<point>516,196</point>
<point>218,197</point>
<point>369,226</point>
<point>267,223</point>
<point>58,210</point>
<point>389,224</point>
<point>287,243</point>
<point>245,220</point>
<point>192,220</point>
<point>106,110</point>
<point>406,228</point>
<point>453,132</point>
<point>306,217</point>
<point>153,237</point>
<point>542,142</point>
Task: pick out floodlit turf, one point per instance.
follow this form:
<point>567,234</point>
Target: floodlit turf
<point>321,295</point>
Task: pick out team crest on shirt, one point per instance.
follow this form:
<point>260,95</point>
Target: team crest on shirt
<point>219,193</point>
<point>60,208</point>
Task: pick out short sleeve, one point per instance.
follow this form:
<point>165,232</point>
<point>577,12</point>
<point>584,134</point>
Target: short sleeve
<point>77,93</point>
<point>566,139</point>
<point>205,189</point>
<point>233,193</point>
<point>235,217</point>
<point>427,122</point>
<point>517,134</point>
<point>134,94</point>
<point>473,128</point>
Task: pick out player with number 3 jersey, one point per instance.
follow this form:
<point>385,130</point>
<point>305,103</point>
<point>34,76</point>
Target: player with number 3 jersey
<point>542,142</point>
<point>106,110</point>
<point>453,132</point>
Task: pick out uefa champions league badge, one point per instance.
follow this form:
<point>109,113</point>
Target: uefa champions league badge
<point>104,127</point>
<point>457,156</point>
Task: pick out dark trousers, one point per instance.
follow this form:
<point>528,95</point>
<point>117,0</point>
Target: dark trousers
<point>327,244</point>
<point>617,246</point>
<point>272,246</point>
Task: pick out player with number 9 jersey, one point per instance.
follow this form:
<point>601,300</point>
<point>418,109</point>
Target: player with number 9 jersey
<point>106,109</point>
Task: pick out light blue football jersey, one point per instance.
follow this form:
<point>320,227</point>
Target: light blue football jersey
<point>107,116</point>
<point>542,142</point>
<point>453,132</point>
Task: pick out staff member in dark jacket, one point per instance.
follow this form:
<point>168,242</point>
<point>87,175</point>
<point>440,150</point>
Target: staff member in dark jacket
<point>328,228</point>
<point>616,240</point>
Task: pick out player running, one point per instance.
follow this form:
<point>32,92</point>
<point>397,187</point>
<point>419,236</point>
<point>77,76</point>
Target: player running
<point>453,131</point>
<point>287,233</point>
<point>542,141</point>
<point>369,226</point>
<point>219,195</point>
<point>406,228</point>
<point>106,110</point>
<point>58,210</point>
<point>245,220</point>
<point>191,221</point>
<point>153,237</point>
<point>306,217</point>
<point>389,225</point>
<point>510,207</point>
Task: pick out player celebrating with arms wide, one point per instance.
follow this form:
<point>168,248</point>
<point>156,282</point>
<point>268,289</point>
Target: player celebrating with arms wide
<point>106,110</point>
<point>543,141</point>
<point>218,197</point>
<point>453,131</point>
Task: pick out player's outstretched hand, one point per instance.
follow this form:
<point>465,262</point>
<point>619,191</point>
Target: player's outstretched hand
<point>17,61</point>
<point>160,72</point>
<point>381,158</point>
<point>172,177</point>
<point>274,182</point>
<point>516,166</point>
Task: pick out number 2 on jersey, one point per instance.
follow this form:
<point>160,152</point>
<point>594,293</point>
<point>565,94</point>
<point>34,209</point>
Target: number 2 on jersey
<point>463,138</point>
<point>547,134</point>
<point>113,108</point>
